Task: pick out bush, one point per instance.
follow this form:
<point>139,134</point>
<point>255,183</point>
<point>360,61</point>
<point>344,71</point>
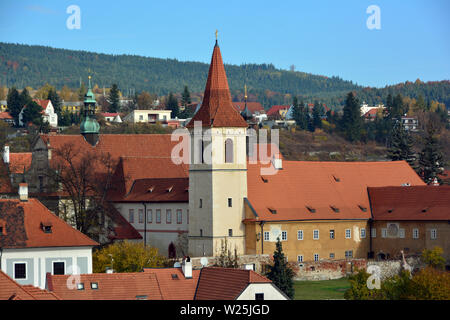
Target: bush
<point>434,258</point>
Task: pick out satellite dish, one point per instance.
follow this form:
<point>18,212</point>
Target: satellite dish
<point>204,261</point>
<point>177,265</point>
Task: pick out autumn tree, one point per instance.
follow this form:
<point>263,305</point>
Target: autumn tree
<point>145,100</point>
<point>127,256</point>
<point>85,177</point>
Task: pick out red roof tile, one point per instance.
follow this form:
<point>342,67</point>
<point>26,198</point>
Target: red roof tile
<point>410,203</point>
<point>320,185</point>
<point>5,181</point>
<point>252,106</point>
<point>11,290</point>
<point>275,109</point>
<point>152,284</point>
<point>19,161</point>
<point>24,221</point>
<point>158,190</point>
<point>122,228</point>
<point>5,116</point>
<point>225,283</point>
<point>217,109</point>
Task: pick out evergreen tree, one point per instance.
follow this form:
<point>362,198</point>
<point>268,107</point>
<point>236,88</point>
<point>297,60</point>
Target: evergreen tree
<point>113,99</point>
<point>24,97</point>
<point>32,113</point>
<point>82,92</point>
<point>351,122</point>
<point>430,158</point>
<point>317,114</point>
<point>56,101</point>
<point>296,114</point>
<point>280,273</point>
<point>14,104</point>
<point>172,104</point>
<point>401,145</point>
<point>185,97</point>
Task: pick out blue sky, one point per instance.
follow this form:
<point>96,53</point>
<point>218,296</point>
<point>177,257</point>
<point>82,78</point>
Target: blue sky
<point>325,37</point>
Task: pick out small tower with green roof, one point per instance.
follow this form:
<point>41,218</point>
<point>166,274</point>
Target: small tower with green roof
<point>89,126</point>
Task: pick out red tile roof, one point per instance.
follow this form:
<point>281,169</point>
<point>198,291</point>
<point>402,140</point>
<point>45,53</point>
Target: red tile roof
<point>319,185</point>
<point>122,228</point>
<point>252,106</point>
<point>24,227</point>
<point>158,284</point>
<point>5,181</point>
<point>5,116</point>
<point>217,109</point>
<point>11,290</point>
<point>152,284</point>
<point>225,283</point>
<point>130,169</point>
<point>19,161</point>
<point>158,190</point>
<point>175,288</point>
<point>276,109</point>
<point>410,203</point>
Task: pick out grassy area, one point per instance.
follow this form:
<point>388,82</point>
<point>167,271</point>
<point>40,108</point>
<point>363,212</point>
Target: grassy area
<point>321,290</point>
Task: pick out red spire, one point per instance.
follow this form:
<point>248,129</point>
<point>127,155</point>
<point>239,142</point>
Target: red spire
<point>217,109</point>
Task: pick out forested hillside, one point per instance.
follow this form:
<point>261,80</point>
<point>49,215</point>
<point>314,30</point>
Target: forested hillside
<point>33,66</point>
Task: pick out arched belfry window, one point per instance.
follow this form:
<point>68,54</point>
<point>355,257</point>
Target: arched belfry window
<point>228,151</point>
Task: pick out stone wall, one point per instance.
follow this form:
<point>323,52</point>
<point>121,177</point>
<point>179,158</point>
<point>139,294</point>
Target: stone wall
<point>328,269</point>
<point>257,260</point>
<point>389,268</point>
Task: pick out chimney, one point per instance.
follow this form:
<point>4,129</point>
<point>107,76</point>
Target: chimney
<point>186,266</point>
<point>23,191</point>
<point>6,154</point>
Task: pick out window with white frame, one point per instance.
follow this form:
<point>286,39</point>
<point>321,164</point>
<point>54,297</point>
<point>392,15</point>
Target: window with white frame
<point>158,215</point>
<point>168,216</point>
<point>433,234</point>
<point>401,233</point>
<point>266,235</point>
<point>300,235</point>
<point>131,215</point>
<point>348,233</point>
<point>283,235</point>
<point>363,233</point>
<point>331,234</point>
<point>179,216</point>
<point>384,233</point>
<point>300,258</point>
<point>415,233</point>
<point>331,255</point>
<point>349,254</point>
<point>374,232</point>
<point>149,216</point>
<point>20,270</point>
<point>141,215</point>
<point>316,234</point>
<point>316,257</point>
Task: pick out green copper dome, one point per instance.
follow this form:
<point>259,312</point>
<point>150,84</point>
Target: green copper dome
<point>89,125</point>
<point>89,97</point>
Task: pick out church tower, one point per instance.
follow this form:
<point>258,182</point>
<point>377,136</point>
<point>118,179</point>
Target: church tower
<point>89,127</point>
<point>218,168</point>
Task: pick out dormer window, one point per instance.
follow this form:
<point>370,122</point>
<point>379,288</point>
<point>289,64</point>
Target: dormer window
<point>169,189</point>
<point>150,189</point>
<point>272,210</point>
<point>363,209</point>
<point>46,227</point>
<point>311,209</point>
<point>334,208</point>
